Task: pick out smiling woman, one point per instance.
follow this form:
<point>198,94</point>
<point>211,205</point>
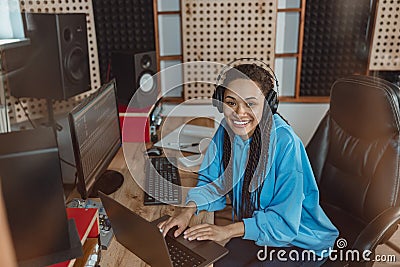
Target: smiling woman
<point>260,163</point>
<point>243,107</point>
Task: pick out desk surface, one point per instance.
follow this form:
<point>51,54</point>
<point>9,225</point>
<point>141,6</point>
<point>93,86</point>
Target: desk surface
<point>131,195</point>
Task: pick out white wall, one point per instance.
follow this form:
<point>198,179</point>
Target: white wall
<point>10,20</point>
<point>304,118</point>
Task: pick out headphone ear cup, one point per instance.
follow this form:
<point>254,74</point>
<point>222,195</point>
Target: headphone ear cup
<point>217,98</point>
<point>273,101</point>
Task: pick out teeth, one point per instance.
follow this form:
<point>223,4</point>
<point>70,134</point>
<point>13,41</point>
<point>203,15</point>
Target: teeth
<point>240,122</point>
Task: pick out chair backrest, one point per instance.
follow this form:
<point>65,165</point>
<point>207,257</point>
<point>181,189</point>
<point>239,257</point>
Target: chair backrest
<point>355,151</point>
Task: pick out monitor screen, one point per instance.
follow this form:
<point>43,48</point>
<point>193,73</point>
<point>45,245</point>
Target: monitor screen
<point>96,138</point>
<point>30,175</point>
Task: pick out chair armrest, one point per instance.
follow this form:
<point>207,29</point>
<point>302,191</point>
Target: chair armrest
<point>378,230</point>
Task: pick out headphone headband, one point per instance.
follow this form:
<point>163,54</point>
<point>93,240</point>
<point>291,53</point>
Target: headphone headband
<point>230,65</point>
<point>271,97</point>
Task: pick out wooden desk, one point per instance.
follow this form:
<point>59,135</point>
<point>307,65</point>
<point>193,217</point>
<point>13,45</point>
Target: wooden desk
<point>130,162</point>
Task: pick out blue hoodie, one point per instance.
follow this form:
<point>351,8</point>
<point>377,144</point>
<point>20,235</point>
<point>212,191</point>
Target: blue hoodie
<point>289,213</point>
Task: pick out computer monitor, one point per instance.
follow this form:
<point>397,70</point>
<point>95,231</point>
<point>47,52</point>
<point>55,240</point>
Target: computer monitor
<point>96,138</point>
<point>30,175</point>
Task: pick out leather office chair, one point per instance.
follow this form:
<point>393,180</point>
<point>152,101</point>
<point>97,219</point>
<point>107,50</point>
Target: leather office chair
<point>355,156</point>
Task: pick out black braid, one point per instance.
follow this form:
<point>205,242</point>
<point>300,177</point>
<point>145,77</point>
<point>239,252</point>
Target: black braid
<point>248,205</point>
<point>250,200</point>
<point>227,148</point>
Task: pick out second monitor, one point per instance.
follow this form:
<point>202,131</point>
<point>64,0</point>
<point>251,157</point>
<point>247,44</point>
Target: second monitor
<point>96,138</point>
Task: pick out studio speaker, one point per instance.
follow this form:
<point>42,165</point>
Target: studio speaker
<point>55,63</point>
<point>134,72</point>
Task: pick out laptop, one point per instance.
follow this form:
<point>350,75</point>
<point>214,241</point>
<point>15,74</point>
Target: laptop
<point>144,239</point>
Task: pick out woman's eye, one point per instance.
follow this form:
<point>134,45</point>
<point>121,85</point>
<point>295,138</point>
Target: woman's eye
<point>230,103</point>
<point>250,104</point>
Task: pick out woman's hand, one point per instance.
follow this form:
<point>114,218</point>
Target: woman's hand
<point>214,232</point>
<point>181,221</point>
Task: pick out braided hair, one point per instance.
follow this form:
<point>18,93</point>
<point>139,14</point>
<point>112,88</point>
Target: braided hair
<point>250,201</point>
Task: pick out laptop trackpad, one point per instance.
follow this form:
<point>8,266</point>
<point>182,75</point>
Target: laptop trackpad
<point>209,250</point>
<point>190,244</point>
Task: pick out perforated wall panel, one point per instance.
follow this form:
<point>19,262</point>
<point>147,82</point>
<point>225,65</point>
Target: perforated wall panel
<point>37,108</point>
<point>221,31</point>
<point>335,43</point>
<point>385,53</point>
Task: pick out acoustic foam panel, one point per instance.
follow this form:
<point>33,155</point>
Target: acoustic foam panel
<point>122,25</point>
<point>335,43</point>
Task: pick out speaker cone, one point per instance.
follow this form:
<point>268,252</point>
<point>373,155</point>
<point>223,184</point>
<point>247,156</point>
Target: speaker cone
<point>146,82</point>
<point>145,62</point>
<point>75,64</point>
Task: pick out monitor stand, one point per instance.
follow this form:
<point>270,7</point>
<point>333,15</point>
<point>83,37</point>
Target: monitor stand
<point>109,182</point>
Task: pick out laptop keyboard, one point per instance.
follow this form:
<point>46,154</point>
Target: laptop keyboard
<point>161,191</point>
<point>181,255</point>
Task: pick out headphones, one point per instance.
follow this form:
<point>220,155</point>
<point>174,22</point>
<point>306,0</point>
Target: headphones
<point>271,97</point>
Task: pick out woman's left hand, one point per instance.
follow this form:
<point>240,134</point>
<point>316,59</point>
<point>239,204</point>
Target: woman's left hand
<point>206,232</point>
<point>214,232</point>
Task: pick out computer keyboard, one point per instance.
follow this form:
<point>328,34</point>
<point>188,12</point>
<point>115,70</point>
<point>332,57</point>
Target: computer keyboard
<point>159,182</point>
<point>181,255</point>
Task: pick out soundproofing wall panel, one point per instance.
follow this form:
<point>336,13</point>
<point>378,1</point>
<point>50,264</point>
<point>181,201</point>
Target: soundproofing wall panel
<point>122,25</point>
<point>335,43</point>
<point>385,52</point>
<point>36,108</point>
<point>391,76</point>
<point>221,31</point>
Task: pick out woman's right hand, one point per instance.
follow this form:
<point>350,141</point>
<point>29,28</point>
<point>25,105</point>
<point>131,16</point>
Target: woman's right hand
<point>181,221</point>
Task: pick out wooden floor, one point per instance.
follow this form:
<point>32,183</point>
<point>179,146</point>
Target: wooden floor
<point>385,251</point>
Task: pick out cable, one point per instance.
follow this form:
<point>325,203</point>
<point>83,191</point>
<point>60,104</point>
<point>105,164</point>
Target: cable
<point>26,114</point>
<point>79,202</point>
<point>153,110</point>
<point>207,181</point>
<point>68,163</point>
<point>108,71</point>
<point>68,188</point>
<point>76,179</point>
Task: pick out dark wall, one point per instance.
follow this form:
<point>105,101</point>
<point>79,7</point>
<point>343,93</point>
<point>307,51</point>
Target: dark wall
<point>122,25</point>
<point>336,43</point>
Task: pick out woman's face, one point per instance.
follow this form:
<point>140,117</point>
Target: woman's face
<point>243,107</point>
